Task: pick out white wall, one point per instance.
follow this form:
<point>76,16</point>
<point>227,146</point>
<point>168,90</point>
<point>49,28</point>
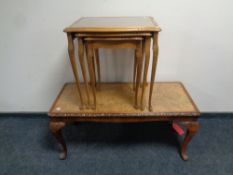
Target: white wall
<point>196,47</point>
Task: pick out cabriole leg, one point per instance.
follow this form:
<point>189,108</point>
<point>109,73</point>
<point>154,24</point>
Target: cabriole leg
<point>192,128</point>
<point>91,72</point>
<point>98,66</point>
<point>74,66</point>
<point>81,59</point>
<point>154,65</point>
<point>146,46</point>
<point>55,129</point>
<point>139,71</point>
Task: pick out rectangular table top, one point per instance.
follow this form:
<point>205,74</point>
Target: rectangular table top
<point>117,99</point>
<point>114,24</point>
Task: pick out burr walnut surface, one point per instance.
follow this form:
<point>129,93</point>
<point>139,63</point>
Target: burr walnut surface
<point>169,99</point>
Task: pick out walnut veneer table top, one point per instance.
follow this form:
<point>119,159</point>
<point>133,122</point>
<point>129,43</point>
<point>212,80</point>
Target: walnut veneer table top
<point>115,99</point>
<point>171,102</point>
<point>114,24</point>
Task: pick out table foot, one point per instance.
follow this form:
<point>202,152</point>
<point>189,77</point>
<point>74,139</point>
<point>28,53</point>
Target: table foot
<point>55,129</point>
<point>62,155</point>
<point>192,128</point>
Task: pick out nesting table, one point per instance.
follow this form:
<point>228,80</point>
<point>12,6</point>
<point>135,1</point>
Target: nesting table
<point>113,102</point>
<point>114,32</point>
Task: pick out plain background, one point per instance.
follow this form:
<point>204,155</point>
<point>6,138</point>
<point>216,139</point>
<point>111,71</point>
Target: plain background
<point>196,47</point>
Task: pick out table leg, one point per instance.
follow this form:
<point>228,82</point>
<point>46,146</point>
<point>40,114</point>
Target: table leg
<point>134,71</point>
<point>81,59</point>
<point>147,60</point>
<point>74,66</point>
<point>139,71</point>
<point>55,128</point>
<point>154,65</point>
<point>98,65</point>
<point>192,128</point>
<point>93,65</point>
<point>143,60</point>
<point>91,72</point>
<point>95,56</point>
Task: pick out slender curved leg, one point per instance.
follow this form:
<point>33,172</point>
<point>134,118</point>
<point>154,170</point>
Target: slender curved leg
<point>147,60</point>
<point>81,59</point>
<point>192,128</point>
<point>136,66</point>
<point>93,65</point>
<point>98,66</point>
<point>86,51</point>
<point>143,60</point>
<point>139,71</point>
<point>134,71</point>
<point>55,128</point>
<point>154,65</point>
<point>91,72</point>
<point>74,66</point>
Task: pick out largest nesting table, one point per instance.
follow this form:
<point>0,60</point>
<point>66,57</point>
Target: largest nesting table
<point>171,103</point>
<point>114,32</point>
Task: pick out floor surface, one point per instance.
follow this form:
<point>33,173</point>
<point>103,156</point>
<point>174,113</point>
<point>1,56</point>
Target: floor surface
<point>27,147</point>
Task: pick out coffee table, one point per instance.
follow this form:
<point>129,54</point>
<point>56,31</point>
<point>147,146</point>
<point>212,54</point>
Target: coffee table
<point>171,103</point>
